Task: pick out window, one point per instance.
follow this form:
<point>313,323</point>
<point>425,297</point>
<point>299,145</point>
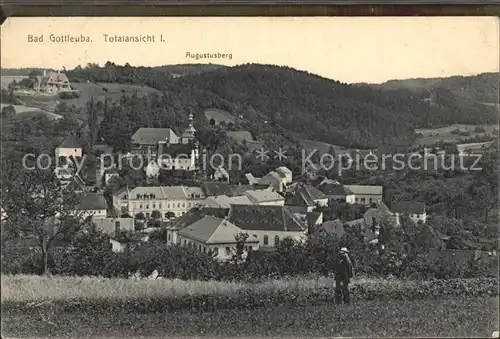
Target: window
<point>168,205</point>
<point>178,205</point>
<point>371,200</point>
<point>266,240</point>
<point>166,215</point>
<point>228,251</point>
<point>147,207</point>
<point>249,248</point>
<point>140,206</point>
<point>276,240</point>
<point>184,242</point>
<point>159,206</point>
<point>199,248</point>
<point>215,251</point>
<point>189,204</point>
<point>363,200</point>
<point>147,215</point>
<point>183,205</point>
<point>154,206</point>
<point>169,236</point>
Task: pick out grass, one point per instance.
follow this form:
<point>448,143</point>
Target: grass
<point>431,136</point>
<point>90,306</point>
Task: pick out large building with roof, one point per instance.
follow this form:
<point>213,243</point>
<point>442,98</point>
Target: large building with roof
<point>268,224</point>
<point>71,146</point>
<point>215,235</point>
<point>163,145</point>
<point>413,209</point>
<point>51,82</point>
<point>165,199</point>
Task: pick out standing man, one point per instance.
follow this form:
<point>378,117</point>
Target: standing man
<point>343,275</point>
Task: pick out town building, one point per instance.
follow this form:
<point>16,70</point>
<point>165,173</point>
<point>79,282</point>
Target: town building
<point>70,147</point>
<point>269,224</point>
<point>278,179</point>
<point>215,235</point>
<point>164,199</point>
<point>265,197</point>
<point>51,82</point>
<point>337,192</point>
<point>91,205</point>
<point>414,210</point>
<point>366,194</point>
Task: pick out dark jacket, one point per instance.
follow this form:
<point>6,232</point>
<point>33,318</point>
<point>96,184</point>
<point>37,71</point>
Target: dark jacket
<point>343,268</point>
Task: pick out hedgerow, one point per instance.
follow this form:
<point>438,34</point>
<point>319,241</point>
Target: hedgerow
<point>91,255</point>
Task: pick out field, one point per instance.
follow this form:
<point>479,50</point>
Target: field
<point>219,115</point>
<point>98,91</point>
<point>7,79</point>
<point>44,306</point>
<point>433,135</point>
<point>323,147</point>
<point>27,112</point>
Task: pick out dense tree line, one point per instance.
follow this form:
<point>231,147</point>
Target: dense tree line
<point>283,101</point>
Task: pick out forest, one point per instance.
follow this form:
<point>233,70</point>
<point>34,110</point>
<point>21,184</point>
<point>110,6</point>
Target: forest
<point>297,105</point>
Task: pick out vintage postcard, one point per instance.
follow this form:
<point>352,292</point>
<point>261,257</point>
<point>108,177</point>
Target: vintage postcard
<point>250,176</point>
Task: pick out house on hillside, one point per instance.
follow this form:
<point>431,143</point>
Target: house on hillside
<point>337,192</point>
<point>70,147</point>
<point>269,224</point>
<point>414,209</point>
<point>215,235</point>
<point>146,140</point>
<point>178,156</point>
<point>51,82</point>
<point>366,194</point>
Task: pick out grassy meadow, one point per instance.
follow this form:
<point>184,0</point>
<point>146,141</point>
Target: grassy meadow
<point>432,135</point>
<point>90,306</point>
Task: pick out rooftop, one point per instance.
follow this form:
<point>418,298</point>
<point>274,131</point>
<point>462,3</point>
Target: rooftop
<point>261,217</point>
<point>92,201</point>
<point>260,196</point>
<point>146,135</point>
<point>213,230</point>
<point>365,189</point>
<point>71,141</point>
<point>166,192</point>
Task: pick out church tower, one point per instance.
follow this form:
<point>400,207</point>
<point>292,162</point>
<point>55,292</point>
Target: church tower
<point>188,134</point>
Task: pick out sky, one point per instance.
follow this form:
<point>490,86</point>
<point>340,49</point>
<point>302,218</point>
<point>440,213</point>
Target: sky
<point>348,49</point>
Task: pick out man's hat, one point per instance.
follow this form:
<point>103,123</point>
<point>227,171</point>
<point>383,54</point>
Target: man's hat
<point>344,250</point>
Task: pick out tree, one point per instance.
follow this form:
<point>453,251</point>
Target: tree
<point>8,111</point>
<point>37,207</point>
<point>156,214</point>
<point>169,215</point>
<point>484,188</point>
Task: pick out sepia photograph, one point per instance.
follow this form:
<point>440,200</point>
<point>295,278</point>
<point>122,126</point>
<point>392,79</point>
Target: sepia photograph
<point>250,177</point>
